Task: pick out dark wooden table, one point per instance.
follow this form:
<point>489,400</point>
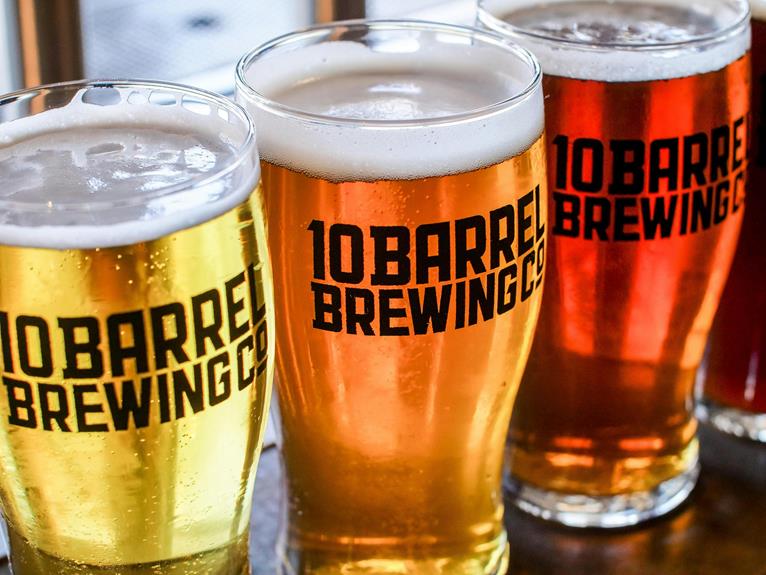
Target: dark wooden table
<point>720,531</point>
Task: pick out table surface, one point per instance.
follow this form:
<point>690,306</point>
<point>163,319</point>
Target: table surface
<point>721,530</point>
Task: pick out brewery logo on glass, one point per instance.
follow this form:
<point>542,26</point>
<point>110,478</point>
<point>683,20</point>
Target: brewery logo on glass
<point>404,186</point>
<point>135,368</point>
<point>136,339</point>
<point>170,327</point>
<point>620,186</point>
<point>647,123</point>
<point>431,278</point>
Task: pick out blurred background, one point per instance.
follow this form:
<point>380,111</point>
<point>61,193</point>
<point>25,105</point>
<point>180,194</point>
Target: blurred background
<point>191,41</point>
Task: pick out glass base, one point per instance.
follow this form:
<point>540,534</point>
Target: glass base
<point>229,560</point>
<point>609,511</point>
<point>733,421</point>
<point>490,561</point>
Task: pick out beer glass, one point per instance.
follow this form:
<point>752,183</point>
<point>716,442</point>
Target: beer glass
<point>404,179</point>
<point>646,120</point>
<point>734,371</point>
<point>135,329</point>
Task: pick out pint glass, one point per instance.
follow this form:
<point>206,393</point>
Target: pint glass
<point>734,374</point>
<point>647,123</point>
<point>404,176</point>
<point>135,324</point>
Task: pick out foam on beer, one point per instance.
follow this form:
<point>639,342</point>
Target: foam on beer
<point>625,40</point>
<point>90,175</point>
<point>390,112</point>
<point>758,8</point>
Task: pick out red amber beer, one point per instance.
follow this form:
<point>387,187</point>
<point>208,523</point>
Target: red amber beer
<point>735,367</point>
<point>134,329</point>
<point>647,124</point>
<point>404,176</point>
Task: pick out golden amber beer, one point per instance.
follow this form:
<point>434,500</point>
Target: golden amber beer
<point>647,124</point>
<point>735,367</point>
<point>404,177</point>
<point>135,329</point>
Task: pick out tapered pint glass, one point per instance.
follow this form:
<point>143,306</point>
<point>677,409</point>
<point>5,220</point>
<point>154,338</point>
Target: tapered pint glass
<point>135,329</point>
<point>734,375</point>
<point>404,176</point>
<point>647,109</point>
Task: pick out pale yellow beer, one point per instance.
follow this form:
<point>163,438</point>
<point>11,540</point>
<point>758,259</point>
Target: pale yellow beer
<point>135,330</point>
<point>404,182</point>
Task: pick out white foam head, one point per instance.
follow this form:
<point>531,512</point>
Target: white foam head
<point>624,40</point>
<point>119,165</point>
<point>759,9</point>
<point>412,101</point>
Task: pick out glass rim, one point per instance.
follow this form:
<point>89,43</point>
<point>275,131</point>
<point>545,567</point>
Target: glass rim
<point>330,30</point>
<point>486,17</point>
<point>241,153</point>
